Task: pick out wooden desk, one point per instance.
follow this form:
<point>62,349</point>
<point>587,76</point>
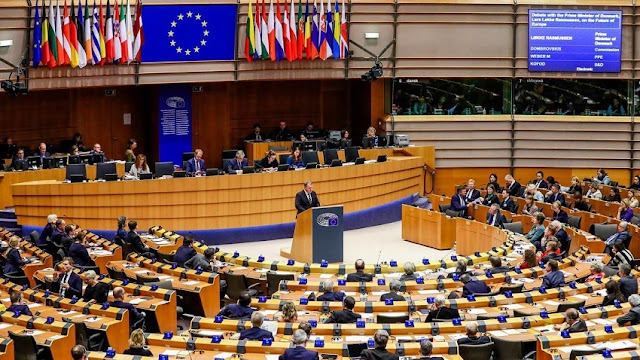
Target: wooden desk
<point>7,348</point>
<point>9,178</point>
<point>428,228</point>
<point>59,337</point>
<point>472,236</point>
<point>217,202</point>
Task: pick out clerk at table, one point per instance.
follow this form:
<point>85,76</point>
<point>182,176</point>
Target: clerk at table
<point>195,166</point>
<point>238,163</point>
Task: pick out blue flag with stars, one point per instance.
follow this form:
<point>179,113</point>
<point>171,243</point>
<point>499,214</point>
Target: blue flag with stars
<point>189,32</point>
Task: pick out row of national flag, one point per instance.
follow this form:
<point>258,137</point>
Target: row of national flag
<point>285,36</point>
<point>61,39</point>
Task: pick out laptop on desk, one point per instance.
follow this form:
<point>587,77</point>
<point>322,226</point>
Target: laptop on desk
<point>355,350</point>
<point>146,176</point>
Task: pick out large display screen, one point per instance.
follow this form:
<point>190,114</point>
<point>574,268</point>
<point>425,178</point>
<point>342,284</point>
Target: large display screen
<point>574,40</point>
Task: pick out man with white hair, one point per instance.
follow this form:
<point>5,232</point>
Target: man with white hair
<point>238,163</point>
<point>299,352</point>
<point>472,335</point>
<point>96,292</point>
<point>47,232</point>
<point>380,352</point>
<point>561,235</point>
<point>633,316</point>
<point>394,287</point>
<point>495,217</point>
<point>622,234</point>
<point>329,294</point>
<point>438,310</point>
<point>513,187</point>
<point>256,332</point>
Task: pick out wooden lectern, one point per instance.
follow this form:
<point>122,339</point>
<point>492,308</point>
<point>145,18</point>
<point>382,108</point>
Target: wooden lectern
<point>318,236</point>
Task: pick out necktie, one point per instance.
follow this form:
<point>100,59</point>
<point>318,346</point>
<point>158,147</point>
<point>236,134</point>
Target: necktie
<point>309,197</point>
<point>258,137</point>
<point>197,165</point>
<point>65,279</point>
<point>491,219</point>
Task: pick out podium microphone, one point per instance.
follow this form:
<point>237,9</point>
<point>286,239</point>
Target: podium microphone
<point>378,262</point>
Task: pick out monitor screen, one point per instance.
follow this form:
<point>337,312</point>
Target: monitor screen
<point>355,350</point>
<point>312,134</point>
<point>76,169</point>
<point>97,158</point>
<point>575,40</point>
<point>164,168</point>
<point>86,159</point>
<point>310,146</point>
<point>74,159</point>
<point>34,161</point>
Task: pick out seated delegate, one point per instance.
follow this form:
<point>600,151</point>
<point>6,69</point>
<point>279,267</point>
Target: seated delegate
<point>269,161</point>
<point>295,159</point>
<point>195,165</point>
<point>238,163</point>
<point>139,167</point>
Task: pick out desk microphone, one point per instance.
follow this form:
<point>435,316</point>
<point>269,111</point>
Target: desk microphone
<point>69,217</point>
<point>378,262</point>
<point>187,346</point>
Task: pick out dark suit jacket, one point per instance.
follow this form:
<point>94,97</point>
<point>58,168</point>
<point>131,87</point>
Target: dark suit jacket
<point>15,160</point>
<point>628,286</point>
<point>443,313</point>
<point>476,340</point>
<point>138,351</point>
<point>359,277</point>
<point>458,203</point>
<point>392,295</point>
<point>24,309</point>
<point>553,198</point>
<point>633,316</point>
<point>198,260</point>
<point>543,184</point>
<point>299,353</point>
<point>183,254</point>
<point>235,311</point>
<point>98,292</point>
<point>66,241</point>
<point>578,326</point>
<point>47,232</point>
<point>253,137</point>
<point>302,203</point>
<point>563,238</point>
<point>508,205</point>
<point>136,243</point>
<point>514,189</point>
<point>560,216</point>
<point>491,200</point>
<point>75,286</point>
<point>14,262</point>
<point>255,333</point>
<point>134,314</point>
<point>472,195</point>
<point>80,255</point>
<point>499,219</point>
<point>342,317</point>
<point>500,269</point>
<point>191,166</point>
<point>475,287</point>
<point>554,279</point>
<point>233,165</point>
<point>378,354</point>
<point>331,296</point>
<point>56,236</point>
<point>281,134</point>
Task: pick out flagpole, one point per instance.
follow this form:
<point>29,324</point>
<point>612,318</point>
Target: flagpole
<point>235,52</point>
<point>29,44</point>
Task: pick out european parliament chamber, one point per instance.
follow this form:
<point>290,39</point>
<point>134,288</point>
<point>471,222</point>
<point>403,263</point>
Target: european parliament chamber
<point>300,180</point>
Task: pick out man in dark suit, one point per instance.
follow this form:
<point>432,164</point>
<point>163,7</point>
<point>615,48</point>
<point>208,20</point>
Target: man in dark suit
<point>558,213</point>
<point>18,305</point>
<point>513,187</point>
<point>329,294</point>
<point>184,252</point>
<point>554,195</point>
<point>47,232</point>
<point>494,216</point>
<point>506,203</point>
<point>256,333</point>
<point>307,198</point>
<point>67,239</point>
<point>628,283</point>
<point>459,201</point>
<point>79,253</point>
<point>472,193</point>
<point>67,283</point>
<point>554,277</point>
<point>572,322</point>
<point>282,133</point>
<point>118,302</point>
<point>438,310</point>
<point>207,262</point>
<point>359,275</point>
<point>17,159</point>
<point>58,232</point>
<point>472,335</point>
<point>238,163</point>
<point>195,165</point>
<point>471,287</point>
<point>560,234</point>
<point>241,310</point>
<point>299,352</point>
<point>380,352</point>
<point>256,135</point>
<point>42,152</point>
<point>539,181</point>
<point>394,287</point>
<point>136,243</point>
<point>344,316</point>
<point>622,234</point>
<point>496,265</point>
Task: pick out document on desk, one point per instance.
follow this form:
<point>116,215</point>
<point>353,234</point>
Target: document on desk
<point>171,352</point>
<point>616,345</point>
<point>93,319</point>
<point>136,301</point>
<point>223,355</point>
<point>455,337</point>
<point>582,297</point>
<point>356,338</point>
<point>192,282</point>
<point>272,357</point>
<point>326,276</point>
<point>551,302</point>
<point>35,332</point>
<point>567,349</point>
<point>268,312</point>
<point>514,331</point>
<point>513,306</point>
<point>477,311</point>
<point>602,321</point>
<point>497,333</point>
<point>3,325</point>
<point>34,305</point>
<point>427,292</point>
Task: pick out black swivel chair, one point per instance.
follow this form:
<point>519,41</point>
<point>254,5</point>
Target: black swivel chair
<point>18,279</point>
<point>351,154</point>
<point>92,340</point>
<point>141,279</point>
<point>310,157</point>
<point>570,305</point>
<point>574,221</point>
<point>273,281</point>
<point>476,352</point>
<point>391,318</point>
<point>330,155</point>
<point>25,348</point>
<point>115,274</point>
<point>237,284</point>
<point>34,236</point>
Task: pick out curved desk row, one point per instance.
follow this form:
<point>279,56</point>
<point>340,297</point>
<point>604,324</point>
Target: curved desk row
<point>217,202</point>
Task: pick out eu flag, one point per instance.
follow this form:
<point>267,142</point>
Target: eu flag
<point>189,32</point>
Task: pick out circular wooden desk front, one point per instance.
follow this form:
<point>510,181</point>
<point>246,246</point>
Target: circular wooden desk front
<point>216,202</point>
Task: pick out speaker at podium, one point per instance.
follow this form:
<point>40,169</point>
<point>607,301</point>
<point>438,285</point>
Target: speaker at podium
<point>318,236</point>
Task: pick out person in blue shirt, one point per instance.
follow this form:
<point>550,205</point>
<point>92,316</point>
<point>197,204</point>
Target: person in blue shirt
<point>241,310</point>
<point>537,230</point>
<point>625,212</point>
<point>329,294</point>
<point>473,286</point>
<point>256,333</point>
<point>18,305</point>
<point>14,260</point>
<point>295,159</point>
<point>184,252</point>
<point>602,177</point>
<point>554,277</point>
